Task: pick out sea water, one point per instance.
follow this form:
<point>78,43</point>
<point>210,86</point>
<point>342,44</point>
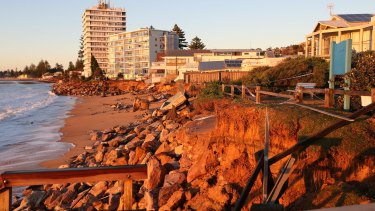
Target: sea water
<point>31,117</point>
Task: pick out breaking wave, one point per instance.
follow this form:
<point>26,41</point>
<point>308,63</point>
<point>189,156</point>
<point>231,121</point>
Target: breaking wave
<point>26,105</point>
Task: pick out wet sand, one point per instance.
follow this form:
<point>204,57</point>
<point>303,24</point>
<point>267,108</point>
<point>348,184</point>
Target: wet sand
<point>93,113</point>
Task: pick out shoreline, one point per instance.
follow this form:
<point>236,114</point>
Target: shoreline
<point>90,114</point>
<point>29,79</point>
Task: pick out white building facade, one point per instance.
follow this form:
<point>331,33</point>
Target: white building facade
<point>99,23</point>
<point>131,53</point>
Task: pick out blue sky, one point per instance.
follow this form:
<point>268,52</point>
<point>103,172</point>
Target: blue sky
<point>31,30</point>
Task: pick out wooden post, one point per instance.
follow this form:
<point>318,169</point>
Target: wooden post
<point>128,194</point>
<point>232,91</point>
<point>299,94</point>
<point>243,91</point>
<point>373,95</point>
<point>328,98</point>
<point>348,68</point>
<point>223,88</point>
<point>257,97</point>
<point>6,199</point>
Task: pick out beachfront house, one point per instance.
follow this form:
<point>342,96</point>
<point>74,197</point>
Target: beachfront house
<point>358,27</point>
<point>173,62</point>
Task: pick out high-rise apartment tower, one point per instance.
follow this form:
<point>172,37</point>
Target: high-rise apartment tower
<point>99,23</point>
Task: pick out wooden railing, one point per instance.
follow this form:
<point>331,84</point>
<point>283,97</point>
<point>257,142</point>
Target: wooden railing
<point>62,176</point>
<point>245,90</point>
<point>298,95</point>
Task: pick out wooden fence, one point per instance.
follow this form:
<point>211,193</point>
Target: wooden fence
<point>298,95</point>
<point>204,77</point>
<point>62,176</point>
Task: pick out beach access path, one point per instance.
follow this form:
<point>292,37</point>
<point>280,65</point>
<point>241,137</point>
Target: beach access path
<point>93,113</point>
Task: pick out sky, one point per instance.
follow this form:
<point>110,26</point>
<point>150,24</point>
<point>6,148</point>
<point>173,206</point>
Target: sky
<point>31,30</point>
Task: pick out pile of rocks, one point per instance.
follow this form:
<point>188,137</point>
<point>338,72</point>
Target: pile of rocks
<point>150,140</point>
<point>90,88</point>
<point>98,88</point>
<point>185,170</point>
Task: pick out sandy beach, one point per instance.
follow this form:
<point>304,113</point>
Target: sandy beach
<point>93,113</point>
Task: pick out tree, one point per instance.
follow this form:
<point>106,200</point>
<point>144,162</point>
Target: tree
<point>41,68</point>
<point>26,70</point>
<point>71,66</point>
<point>59,67</point>
<point>80,51</point>
<point>99,73</point>
<point>120,75</point>
<point>47,65</point>
<point>196,44</point>
<point>79,64</point>
<point>181,37</point>
<point>96,71</point>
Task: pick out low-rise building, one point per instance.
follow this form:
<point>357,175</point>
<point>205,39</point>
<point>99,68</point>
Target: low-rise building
<point>250,64</point>
<point>178,62</point>
<point>229,54</point>
<point>131,53</point>
<point>23,76</point>
<point>358,27</point>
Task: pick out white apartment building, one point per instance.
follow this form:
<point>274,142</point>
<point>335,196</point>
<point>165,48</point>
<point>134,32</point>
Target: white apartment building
<point>99,23</point>
<point>131,53</point>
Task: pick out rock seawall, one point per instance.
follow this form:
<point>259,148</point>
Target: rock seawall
<point>200,159</point>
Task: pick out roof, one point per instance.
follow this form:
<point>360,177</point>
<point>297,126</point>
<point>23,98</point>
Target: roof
<point>355,17</point>
<point>346,20</point>
<point>219,65</point>
<point>186,53</point>
<point>335,23</point>
<point>215,65</point>
<point>234,50</point>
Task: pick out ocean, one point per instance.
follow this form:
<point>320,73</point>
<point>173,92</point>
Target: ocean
<point>31,117</point>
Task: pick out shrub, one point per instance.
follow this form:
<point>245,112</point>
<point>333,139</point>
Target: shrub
<point>289,68</point>
<point>211,91</point>
<point>362,77</point>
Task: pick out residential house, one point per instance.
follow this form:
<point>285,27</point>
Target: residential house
<point>358,27</point>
